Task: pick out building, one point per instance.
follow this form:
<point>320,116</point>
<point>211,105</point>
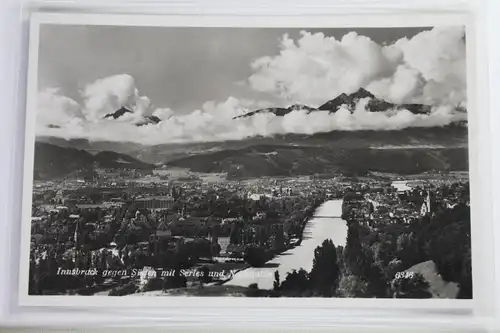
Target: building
<point>69,202</point>
<point>236,250</point>
<point>426,205</point>
<point>163,231</point>
<point>193,221</point>
<point>260,216</point>
<point>156,202</point>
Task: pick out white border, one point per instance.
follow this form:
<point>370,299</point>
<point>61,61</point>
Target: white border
<point>483,277</point>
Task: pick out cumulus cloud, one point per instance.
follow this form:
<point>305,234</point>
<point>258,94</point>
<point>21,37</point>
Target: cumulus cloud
<point>430,68</point>
<point>214,122</point>
<point>317,68</point>
<point>403,86</point>
<point>439,56</point>
<point>55,109</point>
<point>163,113</point>
<point>107,95</point>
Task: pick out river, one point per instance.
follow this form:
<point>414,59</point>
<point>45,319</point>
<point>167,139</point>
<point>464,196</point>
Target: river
<point>326,224</point>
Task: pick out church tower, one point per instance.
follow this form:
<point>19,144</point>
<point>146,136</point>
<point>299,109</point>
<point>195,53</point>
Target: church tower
<point>428,201</point>
<point>426,205</point>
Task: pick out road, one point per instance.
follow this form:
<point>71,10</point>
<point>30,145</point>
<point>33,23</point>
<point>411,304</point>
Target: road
<point>315,232</point>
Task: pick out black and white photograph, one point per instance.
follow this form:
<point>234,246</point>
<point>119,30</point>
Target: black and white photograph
<point>262,162</point>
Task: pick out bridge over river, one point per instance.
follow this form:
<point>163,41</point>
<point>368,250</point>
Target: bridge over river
<point>327,217</point>
<point>326,224</point>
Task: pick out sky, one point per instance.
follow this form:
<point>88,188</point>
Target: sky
<point>181,68</point>
<point>196,79</point>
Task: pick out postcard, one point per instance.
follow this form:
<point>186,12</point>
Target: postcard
<point>246,160</point>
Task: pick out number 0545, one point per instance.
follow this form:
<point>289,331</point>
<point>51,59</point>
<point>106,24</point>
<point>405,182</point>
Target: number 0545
<point>404,275</point>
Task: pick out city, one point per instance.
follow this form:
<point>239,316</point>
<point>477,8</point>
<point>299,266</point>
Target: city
<point>178,232</point>
<point>250,162</point>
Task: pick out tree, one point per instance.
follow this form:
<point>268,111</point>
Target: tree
<point>140,259</point>
<point>408,249</point>
<point>127,289</point>
<point>465,281</point>
<point>205,275</point>
<point>394,266</point>
<point>340,258</point>
<point>261,235</point>
<point>372,273</point>
<point>383,251</point>
<point>352,286</point>
<point>352,251</point>
<point>325,271</point>
<point>296,283</point>
<point>253,290</point>
<point>153,284</point>
<point>279,239</point>
<point>201,248</point>
<point>235,234</point>
<point>276,283</point>
<point>176,281</point>
<point>449,246</point>
<point>215,249</point>
<point>410,287</point>
<point>256,256</point>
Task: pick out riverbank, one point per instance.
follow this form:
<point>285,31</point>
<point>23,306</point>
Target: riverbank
<point>326,224</point>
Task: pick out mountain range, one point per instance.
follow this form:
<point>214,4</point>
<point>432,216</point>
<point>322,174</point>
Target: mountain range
<point>411,150</point>
<point>453,135</point>
<point>52,161</point>
<point>278,160</point>
<point>374,104</point>
<point>123,111</point>
<point>279,111</point>
<point>408,150</point>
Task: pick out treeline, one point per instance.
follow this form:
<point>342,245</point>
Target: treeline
<point>374,264</point>
<point>335,275</point>
<point>443,237</point>
<point>44,277</point>
<point>267,238</point>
